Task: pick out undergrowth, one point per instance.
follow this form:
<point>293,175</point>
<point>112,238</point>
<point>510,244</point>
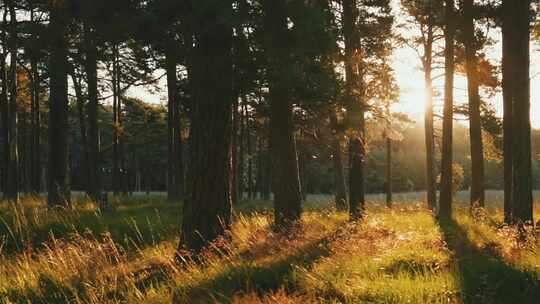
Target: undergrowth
<point>399,255</point>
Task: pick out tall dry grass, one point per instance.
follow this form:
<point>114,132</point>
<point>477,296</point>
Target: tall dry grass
<point>403,255</point>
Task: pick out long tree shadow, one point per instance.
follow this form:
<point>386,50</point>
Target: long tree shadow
<point>484,276</point>
<point>254,277</point>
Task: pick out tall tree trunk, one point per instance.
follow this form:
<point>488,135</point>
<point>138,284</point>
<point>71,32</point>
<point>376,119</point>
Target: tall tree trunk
<point>340,188</point>
<point>522,179</point>
<point>35,120</point>
<point>22,141</point>
<point>25,165</point>
<point>94,159</point>
<point>82,125</point>
<point>286,179</point>
<point>121,138</point>
<point>59,188</point>
<point>35,130</point>
<point>508,98</point>
<point>179,152</point>
<point>475,129</point>
<point>4,112</point>
<point>116,125</point>
<point>355,111</point>
<point>431,187</point>
<point>172,124</point>
<point>445,207</point>
<point>12,191</point>
<point>207,209</point>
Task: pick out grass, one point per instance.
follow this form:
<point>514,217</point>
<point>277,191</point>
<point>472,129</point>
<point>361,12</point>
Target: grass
<point>402,255</point>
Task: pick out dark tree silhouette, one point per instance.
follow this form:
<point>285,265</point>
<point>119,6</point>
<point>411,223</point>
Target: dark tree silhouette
<point>508,98</point>
<point>445,205</point>
<point>285,171</point>
<point>59,188</point>
<point>12,190</point>
<point>522,210</point>
<point>355,111</point>
<point>475,124</point>
<point>207,209</point>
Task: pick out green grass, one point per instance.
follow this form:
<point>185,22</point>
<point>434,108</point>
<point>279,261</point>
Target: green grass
<point>403,255</point>
<point>136,221</point>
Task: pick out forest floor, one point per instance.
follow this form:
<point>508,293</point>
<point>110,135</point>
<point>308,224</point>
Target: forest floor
<point>398,255</point>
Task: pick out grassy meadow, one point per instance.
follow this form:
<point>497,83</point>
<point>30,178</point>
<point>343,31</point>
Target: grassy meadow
<point>398,255</point>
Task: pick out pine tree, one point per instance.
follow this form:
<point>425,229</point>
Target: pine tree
<point>445,206</point>
<point>355,111</point>
<point>59,188</point>
<point>12,190</point>
<point>475,124</point>
<point>207,208</point>
<point>508,99</point>
<point>522,210</point>
<point>285,173</point>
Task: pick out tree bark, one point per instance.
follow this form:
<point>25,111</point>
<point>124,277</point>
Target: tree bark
<point>4,110</point>
<point>82,125</point>
<point>5,127</point>
<point>116,125</point>
<point>355,111</point>
<point>25,145</point>
<point>286,179</point>
<point>121,136</point>
<point>207,208</point>
<point>522,178</point>
<point>173,125</point>
<point>445,207</point>
<point>340,188</point>
<point>35,121</point>
<point>12,191</point>
<point>508,98</point>
<point>59,188</point>
<point>36,130</point>
<point>431,187</point>
<point>179,152</point>
<point>475,125</point>
<point>94,150</point>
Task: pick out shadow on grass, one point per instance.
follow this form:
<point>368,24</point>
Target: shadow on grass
<point>48,291</point>
<point>484,276</point>
<point>132,224</point>
<point>247,276</point>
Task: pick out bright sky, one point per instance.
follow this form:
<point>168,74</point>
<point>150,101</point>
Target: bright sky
<point>410,79</point>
